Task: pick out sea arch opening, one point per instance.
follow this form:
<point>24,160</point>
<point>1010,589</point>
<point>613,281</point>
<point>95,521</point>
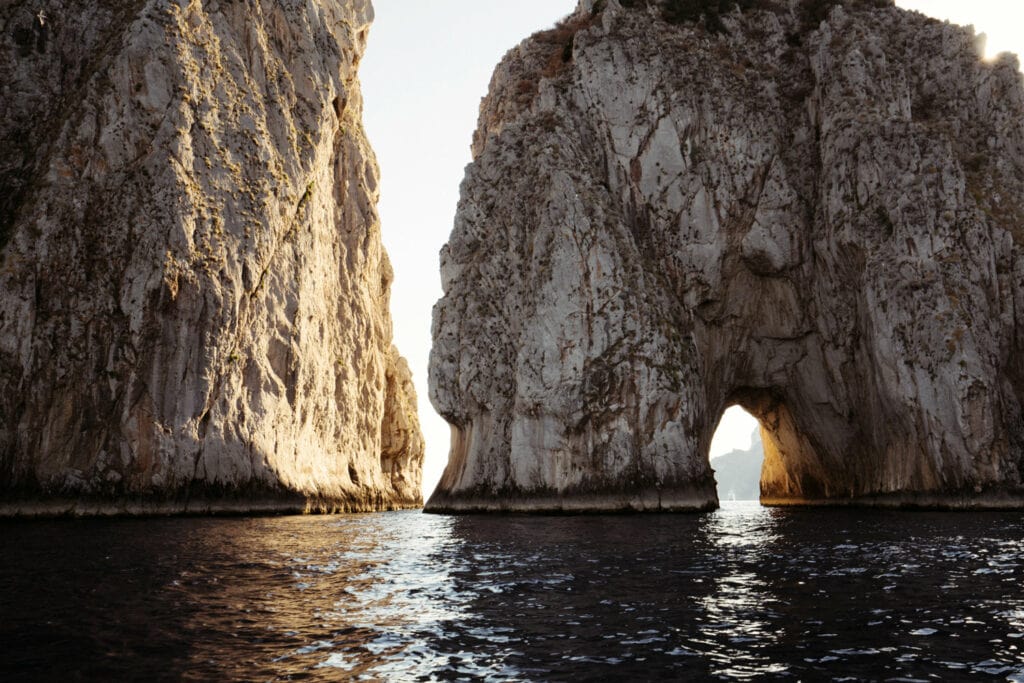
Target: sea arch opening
<point>736,455</point>
<point>795,463</point>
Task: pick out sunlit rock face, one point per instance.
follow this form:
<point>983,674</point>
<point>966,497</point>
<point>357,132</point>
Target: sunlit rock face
<point>814,211</point>
<point>193,293</point>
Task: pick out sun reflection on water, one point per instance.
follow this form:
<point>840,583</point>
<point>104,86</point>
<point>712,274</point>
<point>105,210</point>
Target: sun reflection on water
<point>745,592</point>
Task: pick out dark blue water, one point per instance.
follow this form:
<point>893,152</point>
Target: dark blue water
<point>742,593</point>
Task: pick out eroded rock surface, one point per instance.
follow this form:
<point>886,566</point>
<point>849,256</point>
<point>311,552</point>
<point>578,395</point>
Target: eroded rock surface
<point>193,293</point>
<point>815,210</point>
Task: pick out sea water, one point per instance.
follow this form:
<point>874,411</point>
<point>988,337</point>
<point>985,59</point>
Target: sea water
<point>745,592</point>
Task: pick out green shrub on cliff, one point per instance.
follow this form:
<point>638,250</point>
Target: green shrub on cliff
<point>811,12</point>
<point>681,11</point>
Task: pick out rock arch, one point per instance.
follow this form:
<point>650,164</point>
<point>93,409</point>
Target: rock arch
<point>823,224</point>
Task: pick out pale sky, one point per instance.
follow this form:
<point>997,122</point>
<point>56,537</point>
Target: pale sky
<point>426,68</point>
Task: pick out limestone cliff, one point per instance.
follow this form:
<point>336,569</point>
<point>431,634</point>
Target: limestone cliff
<point>193,293</point>
<point>814,209</point>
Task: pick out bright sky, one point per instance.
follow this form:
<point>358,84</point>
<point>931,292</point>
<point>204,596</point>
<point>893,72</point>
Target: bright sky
<point>426,68</point>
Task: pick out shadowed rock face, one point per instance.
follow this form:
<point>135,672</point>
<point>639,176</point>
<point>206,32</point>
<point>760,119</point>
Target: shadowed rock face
<point>821,221</point>
<point>193,294</point>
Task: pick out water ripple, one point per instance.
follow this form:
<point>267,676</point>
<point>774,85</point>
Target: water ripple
<point>744,593</point>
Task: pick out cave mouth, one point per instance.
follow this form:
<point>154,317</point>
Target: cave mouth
<point>736,455</point>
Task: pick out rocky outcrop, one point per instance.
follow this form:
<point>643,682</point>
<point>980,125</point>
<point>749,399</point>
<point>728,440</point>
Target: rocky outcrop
<point>193,293</point>
<point>738,472</point>
<point>812,209</point>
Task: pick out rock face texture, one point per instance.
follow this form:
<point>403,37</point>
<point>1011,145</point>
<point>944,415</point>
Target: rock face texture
<point>812,209</point>
<point>193,293</point>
